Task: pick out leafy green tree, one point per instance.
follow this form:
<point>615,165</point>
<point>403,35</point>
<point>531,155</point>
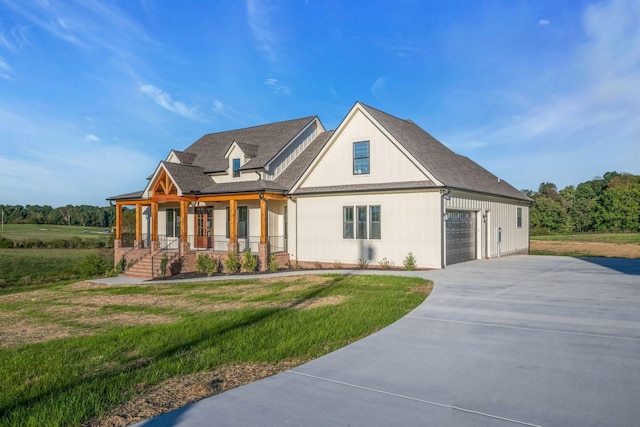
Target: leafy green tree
<point>548,216</point>
<point>618,208</point>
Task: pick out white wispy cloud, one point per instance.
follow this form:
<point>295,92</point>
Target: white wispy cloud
<point>544,22</point>
<point>590,125</point>
<point>85,24</point>
<point>259,16</point>
<point>277,87</point>
<point>164,100</point>
<point>222,109</point>
<point>4,69</point>
<point>377,86</point>
<point>91,137</point>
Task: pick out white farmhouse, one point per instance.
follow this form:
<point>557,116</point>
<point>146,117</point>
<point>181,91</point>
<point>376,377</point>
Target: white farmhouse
<point>378,187</point>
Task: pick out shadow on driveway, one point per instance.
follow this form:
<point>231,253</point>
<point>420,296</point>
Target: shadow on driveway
<point>622,265</point>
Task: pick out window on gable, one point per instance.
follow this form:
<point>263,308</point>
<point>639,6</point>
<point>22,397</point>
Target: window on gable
<point>361,158</point>
<point>519,218</point>
<point>236,168</point>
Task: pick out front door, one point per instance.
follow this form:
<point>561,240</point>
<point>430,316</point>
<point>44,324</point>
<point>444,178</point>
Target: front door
<point>204,227</point>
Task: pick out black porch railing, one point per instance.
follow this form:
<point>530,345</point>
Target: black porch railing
<point>221,243</point>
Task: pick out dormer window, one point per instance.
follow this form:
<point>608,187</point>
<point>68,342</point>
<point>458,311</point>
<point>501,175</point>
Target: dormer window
<point>236,168</point>
<point>361,158</point>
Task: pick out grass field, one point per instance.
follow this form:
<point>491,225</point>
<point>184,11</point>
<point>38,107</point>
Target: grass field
<point>623,238</point>
<point>588,245</point>
<point>75,354</point>
<point>28,266</point>
<point>47,232</point>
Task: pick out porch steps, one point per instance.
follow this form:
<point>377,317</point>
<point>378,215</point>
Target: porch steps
<point>143,269</point>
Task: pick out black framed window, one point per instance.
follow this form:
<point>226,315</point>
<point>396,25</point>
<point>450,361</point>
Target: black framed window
<point>361,157</point>
<point>347,222</point>
<point>374,222</point>
<point>173,222</point>
<point>243,215</point>
<point>519,218</point>
<point>361,222</point>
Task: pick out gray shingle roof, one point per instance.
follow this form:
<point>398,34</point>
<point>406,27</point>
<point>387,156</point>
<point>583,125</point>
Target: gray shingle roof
<point>188,178</point>
<point>404,185</point>
<point>249,150</point>
<point>128,196</point>
<point>262,143</point>
<point>268,139</point>
<point>453,170</point>
<point>185,158</point>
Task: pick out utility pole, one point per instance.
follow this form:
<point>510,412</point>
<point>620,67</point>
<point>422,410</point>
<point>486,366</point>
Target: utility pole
<point>2,219</point>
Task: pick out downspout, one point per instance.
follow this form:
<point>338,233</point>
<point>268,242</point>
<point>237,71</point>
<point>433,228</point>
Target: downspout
<point>443,229</point>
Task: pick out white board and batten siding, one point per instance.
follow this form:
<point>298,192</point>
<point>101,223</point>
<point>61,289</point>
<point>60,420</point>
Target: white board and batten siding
<point>387,162</point>
<point>293,150</point>
<point>492,213</point>
<point>410,222</point>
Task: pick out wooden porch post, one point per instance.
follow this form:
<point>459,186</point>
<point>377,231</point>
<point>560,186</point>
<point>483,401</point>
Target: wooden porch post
<point>233,226</point>
<point>233,221</point>
<point>154,221</point>
<point>138,222</point>
<point>184,220</point>
<point>118,221</point>
<point>263,220</point>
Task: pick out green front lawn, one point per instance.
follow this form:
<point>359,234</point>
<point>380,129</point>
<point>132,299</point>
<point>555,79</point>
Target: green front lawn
<point>80,350</point>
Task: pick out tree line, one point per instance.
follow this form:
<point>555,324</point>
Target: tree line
<point>610,203</point>
<point>83,215</point>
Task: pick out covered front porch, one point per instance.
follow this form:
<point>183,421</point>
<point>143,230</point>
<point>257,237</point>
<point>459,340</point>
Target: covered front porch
<point>178,227</point>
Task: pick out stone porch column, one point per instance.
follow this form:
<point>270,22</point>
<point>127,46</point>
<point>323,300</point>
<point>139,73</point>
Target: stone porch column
<point>263,256</point>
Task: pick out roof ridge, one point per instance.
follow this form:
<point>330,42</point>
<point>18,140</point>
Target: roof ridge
<point>308,118</point>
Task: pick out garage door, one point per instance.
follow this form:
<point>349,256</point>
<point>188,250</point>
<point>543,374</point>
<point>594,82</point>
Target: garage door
<point>461,236</point>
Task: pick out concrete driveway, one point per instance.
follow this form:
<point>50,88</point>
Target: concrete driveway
<point>522,340</point>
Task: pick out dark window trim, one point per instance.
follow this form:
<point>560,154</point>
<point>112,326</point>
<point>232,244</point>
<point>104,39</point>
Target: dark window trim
<point>367,157</point>
<point>236,170</point>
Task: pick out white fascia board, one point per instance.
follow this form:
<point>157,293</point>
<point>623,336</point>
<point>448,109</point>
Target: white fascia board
<point>145,193</point>
<point>344,123</point>
<point>399,146</point>
<point>233,145</point>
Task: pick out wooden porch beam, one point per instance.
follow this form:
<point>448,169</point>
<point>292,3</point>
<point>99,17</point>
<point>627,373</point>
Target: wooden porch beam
<point>275,196</point>
<point>171,198</point>
<point>228,197</point>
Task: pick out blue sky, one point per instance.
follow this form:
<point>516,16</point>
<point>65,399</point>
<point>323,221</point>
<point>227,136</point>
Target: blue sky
<point>93,94</point>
